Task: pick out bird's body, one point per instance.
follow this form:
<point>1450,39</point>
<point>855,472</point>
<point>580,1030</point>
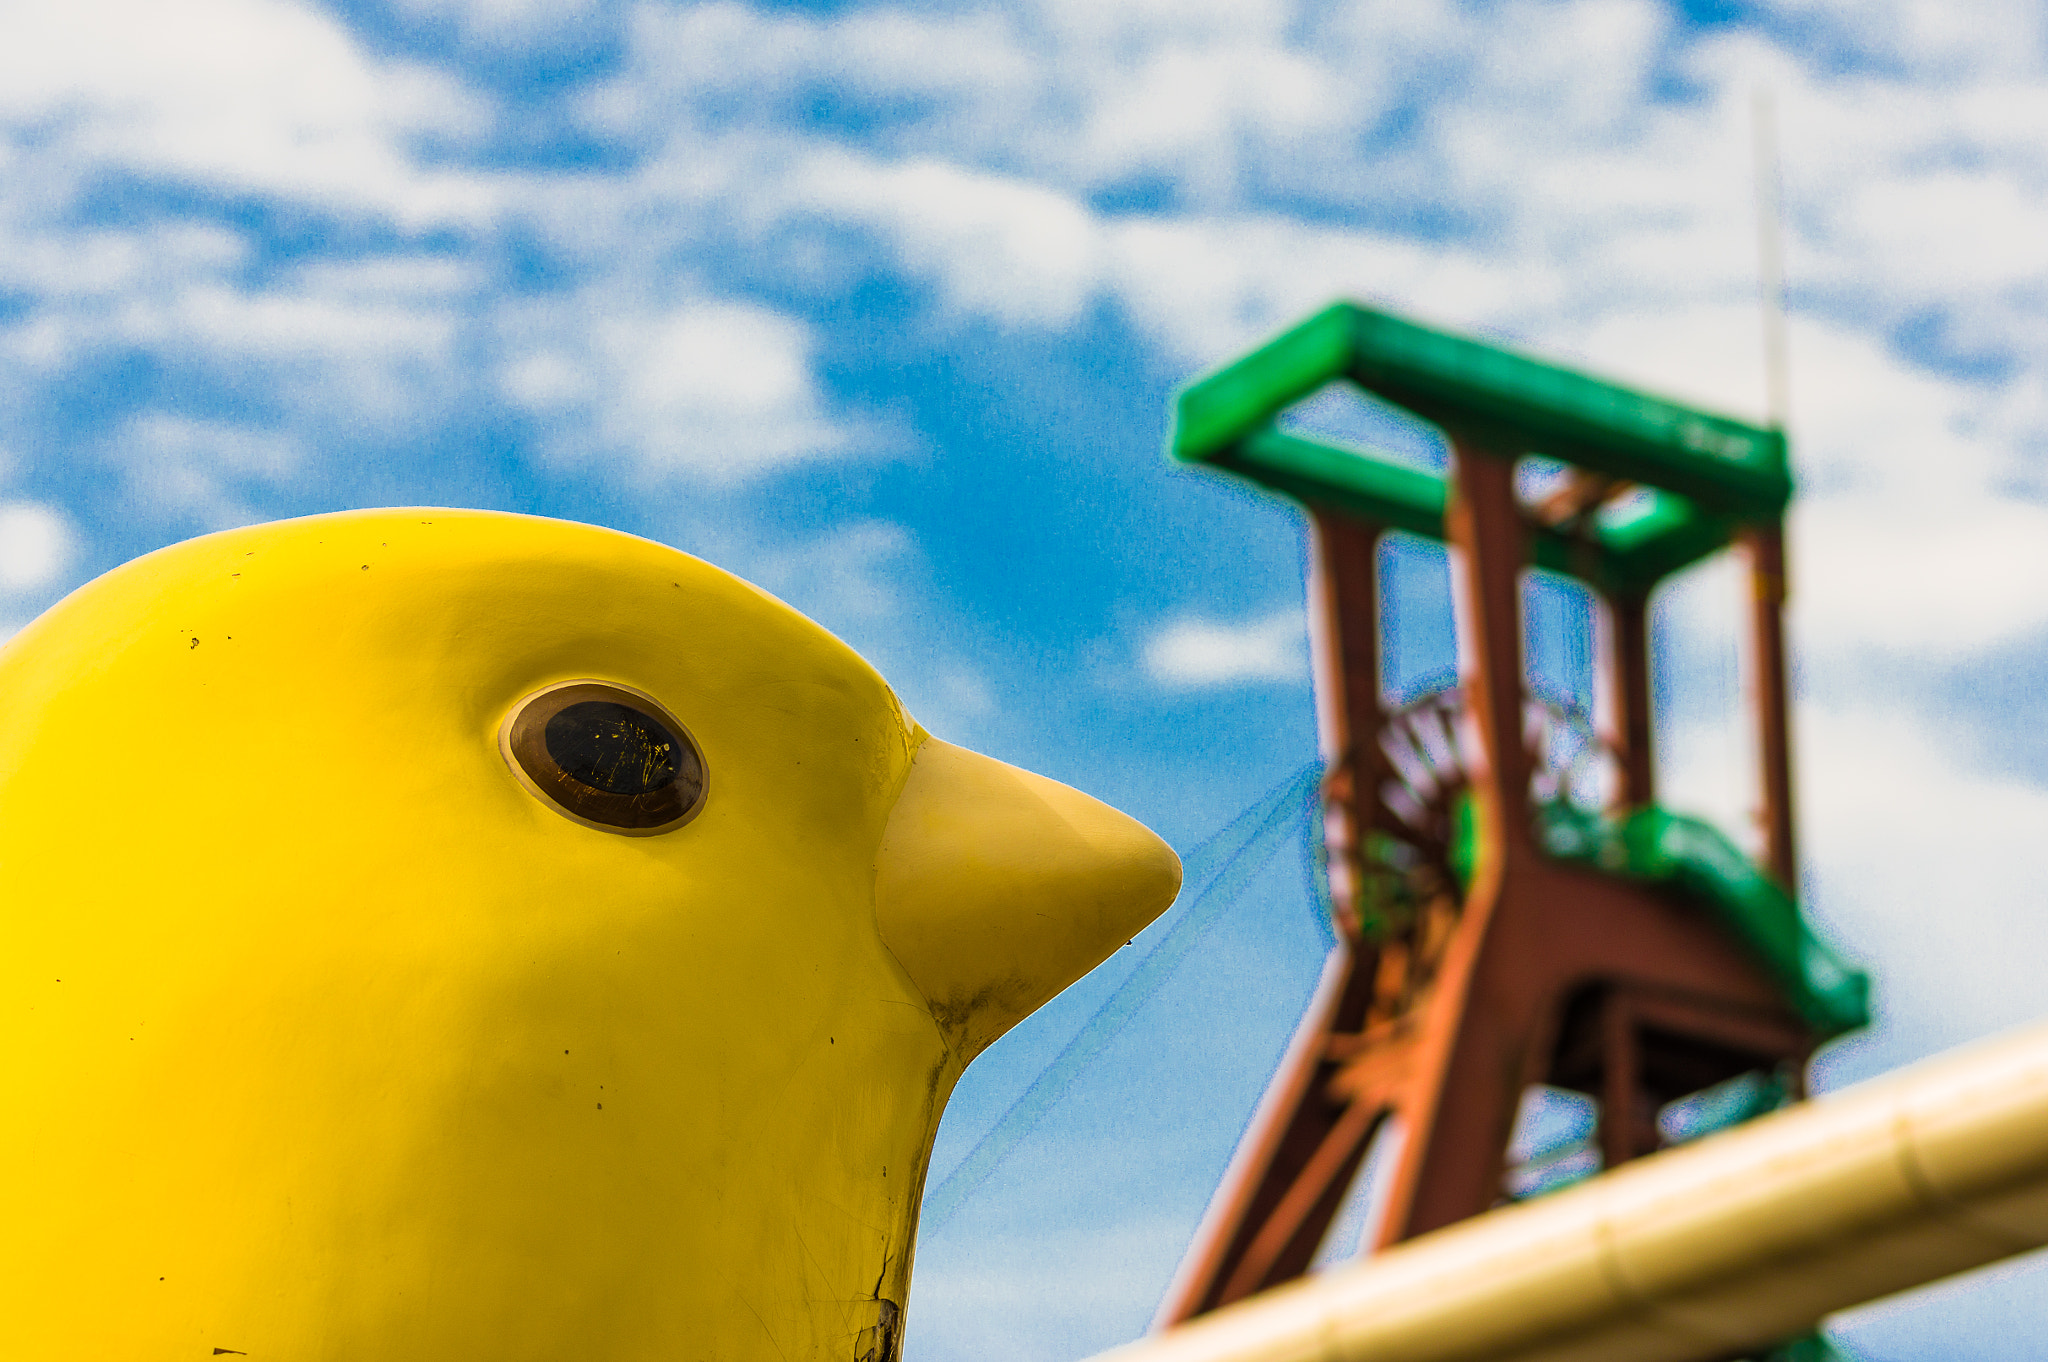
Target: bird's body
<point>331,1037</point>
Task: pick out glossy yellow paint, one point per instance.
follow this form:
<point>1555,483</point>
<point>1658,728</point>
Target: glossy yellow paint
<point>328,1040</point>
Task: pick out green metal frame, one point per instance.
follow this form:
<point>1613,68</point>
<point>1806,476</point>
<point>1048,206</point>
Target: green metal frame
<point>1704,475</point>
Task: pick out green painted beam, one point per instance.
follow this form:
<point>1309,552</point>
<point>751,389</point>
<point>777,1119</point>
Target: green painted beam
<point>1508,402</point>
<point>1629,551</point>
<point>1366,485</point>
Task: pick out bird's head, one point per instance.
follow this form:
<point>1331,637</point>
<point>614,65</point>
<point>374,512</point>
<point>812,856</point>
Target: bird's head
<point>465,935</point>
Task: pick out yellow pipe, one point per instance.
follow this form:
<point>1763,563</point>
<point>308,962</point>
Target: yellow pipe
<point>1740,1240</point>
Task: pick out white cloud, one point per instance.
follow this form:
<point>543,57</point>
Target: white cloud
<point>1185,111</point>
<point>965,692</point>
<point>684,62</point>
<point>390,278</point>
<point>1199,652</point>
<point>950,697</point>
<point>242,95</point>
<point>1948,227</point>
<point>100,287</point>
<point>1204,289</point>
<point>714,389</point>
<point>199,471</point>
<point>1942,42</point>
<point>546,380</point>
<point>997,246</point>
<point>1943,583</point>
<point>1704,352</point>
<point>264,100</point>
<point>852,575</point>
<point>1706,758</point>
<point>718,387</point>
<point>101,263</point>
<point>35,545</point>
<point>366,344</point>
<point>1576,188</point>
<point>1931,870</point>
<point>274,325</point>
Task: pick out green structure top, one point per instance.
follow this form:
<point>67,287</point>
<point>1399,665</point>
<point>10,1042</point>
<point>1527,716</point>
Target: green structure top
<point>1699,475</point>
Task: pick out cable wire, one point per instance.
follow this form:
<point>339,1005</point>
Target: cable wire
<point>1227,860</point>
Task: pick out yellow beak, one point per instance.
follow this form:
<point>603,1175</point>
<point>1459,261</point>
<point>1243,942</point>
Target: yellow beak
<point>996,888</point>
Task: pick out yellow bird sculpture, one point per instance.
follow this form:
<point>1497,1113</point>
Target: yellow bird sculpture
<point>443,936</point>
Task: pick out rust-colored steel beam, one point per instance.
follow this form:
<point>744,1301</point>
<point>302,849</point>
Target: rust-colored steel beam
<point>1770,698</point>
<point>1455,1128</point>
<point>1286,1242</point>
<point>1629,661</point>
<point>1487,531</point>
<point>1347,658</point>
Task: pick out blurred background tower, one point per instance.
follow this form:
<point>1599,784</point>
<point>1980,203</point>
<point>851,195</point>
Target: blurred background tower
<point>1513,908</point>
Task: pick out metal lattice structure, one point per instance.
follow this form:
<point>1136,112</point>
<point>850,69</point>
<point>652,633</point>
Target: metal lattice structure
<point>1494,933</point>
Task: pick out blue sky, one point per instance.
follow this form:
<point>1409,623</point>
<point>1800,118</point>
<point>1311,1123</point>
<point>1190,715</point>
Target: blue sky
<point>881,307</point>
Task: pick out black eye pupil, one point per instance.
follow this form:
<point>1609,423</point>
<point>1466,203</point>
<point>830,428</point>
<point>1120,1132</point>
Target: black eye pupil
<point>607,756</point>
<point>613,748</point>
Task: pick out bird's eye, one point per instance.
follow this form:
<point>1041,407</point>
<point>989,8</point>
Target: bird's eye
<point>606,755</point>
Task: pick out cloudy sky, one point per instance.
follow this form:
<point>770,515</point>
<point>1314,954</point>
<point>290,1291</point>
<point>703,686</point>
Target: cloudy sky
<point>881,307</point>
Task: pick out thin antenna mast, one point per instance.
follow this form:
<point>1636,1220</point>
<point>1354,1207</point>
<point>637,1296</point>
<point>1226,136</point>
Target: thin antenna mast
<point>1771,260</point>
